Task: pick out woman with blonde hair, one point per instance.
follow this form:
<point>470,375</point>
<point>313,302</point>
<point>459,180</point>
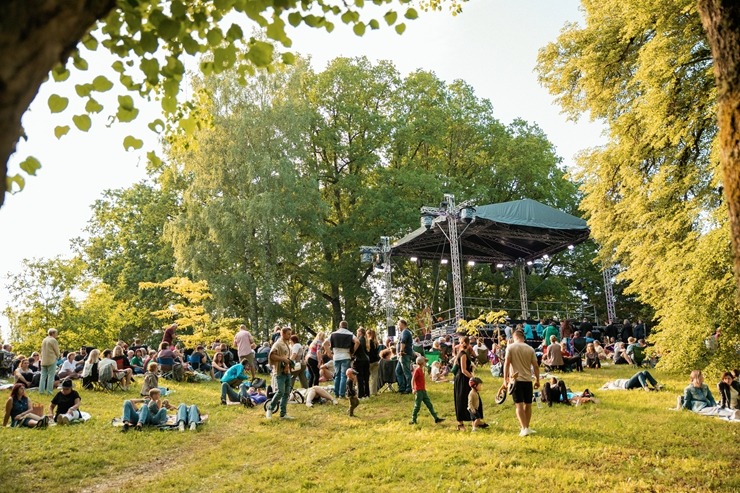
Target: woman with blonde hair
<point>90,370</point>
<point>313,359</point>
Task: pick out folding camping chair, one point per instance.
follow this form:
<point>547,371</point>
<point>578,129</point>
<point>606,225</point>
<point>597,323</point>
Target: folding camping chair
<point>387,375</point>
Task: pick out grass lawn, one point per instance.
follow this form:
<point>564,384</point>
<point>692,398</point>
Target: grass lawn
<point>629,442</point>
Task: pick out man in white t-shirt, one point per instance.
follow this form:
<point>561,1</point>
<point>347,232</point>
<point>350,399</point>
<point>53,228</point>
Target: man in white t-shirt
<point>245,348</point>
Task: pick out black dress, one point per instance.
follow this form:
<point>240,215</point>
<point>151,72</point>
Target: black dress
<point>462,389</point>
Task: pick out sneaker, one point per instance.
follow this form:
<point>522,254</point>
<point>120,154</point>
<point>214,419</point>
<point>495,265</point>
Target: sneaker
<point>193,426</point>
<point>287,417</point>
<point>244,400</point>
<point>438,420</point>
<point>335,402</point>
<point>59,419</point>
<point>483,425</point>
<point>658,387</point>
<point>523,432</point>
<point>474,429</point>
<point>181,426</point>
<point>530,431</point>
<point>223,402</point>
<point>268,413</point>
<point>65,420</point>
<point>309,404</point>
<point>125,428</point>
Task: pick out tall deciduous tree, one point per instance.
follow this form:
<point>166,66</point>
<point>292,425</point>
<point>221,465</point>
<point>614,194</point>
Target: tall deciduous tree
<point>652,192</point>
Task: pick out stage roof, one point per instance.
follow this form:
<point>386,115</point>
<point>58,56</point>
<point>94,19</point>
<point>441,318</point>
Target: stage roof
<point>501,233</point>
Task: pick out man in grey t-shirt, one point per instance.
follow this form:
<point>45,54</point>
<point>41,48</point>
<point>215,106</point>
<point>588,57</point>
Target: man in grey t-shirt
<point>519,364</point>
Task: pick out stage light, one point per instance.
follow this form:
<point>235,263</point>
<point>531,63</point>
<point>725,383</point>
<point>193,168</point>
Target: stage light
<point>413,259</point>
<point>570,247</point>
<point>529,262</point>
<point>444,261</point>
<point>499,266</point>
<point>471,263</point>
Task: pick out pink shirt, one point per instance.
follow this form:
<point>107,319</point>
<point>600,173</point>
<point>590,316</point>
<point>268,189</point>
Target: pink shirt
<point>243,343</point>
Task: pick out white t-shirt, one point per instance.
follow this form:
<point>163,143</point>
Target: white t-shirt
<point>68,366</point>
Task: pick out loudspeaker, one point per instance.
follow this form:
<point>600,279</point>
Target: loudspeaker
<point>391,331</point>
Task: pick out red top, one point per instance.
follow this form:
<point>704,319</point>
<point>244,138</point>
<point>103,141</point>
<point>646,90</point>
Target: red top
<point>417,379</point>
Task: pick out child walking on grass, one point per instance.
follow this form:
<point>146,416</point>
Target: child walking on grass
<point>352,391</point>
<point>418,387</point>
<point>474,404</point>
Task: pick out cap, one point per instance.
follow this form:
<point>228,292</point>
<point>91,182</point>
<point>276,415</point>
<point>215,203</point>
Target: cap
<point>67,384</point>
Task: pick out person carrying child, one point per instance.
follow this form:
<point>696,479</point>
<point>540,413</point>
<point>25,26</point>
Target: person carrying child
<point>352,391</point>
<point>475,405</point>
<point>418,387</point>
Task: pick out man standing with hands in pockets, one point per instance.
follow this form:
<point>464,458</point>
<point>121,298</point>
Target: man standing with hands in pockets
<point>518,365</point>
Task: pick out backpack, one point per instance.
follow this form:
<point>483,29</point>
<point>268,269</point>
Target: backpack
<point>178,372</point>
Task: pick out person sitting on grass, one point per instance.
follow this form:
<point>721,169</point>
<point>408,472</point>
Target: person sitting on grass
<point>698,398</point>
<point>235,377</point>
<point>555,392</point>
<point>24,375</point>
<point>152,411</point>
<point>218,366</point>
<point>137,362</point>
<point>151,379</point>
<point>639,380</point>
<point>620,355</point>
<point>600,351</point>
<point>438,373</point>
<point>729,390</point>
<point>19,412</point>
<point>419,389</point>
<point>67,404</point>
<point>592,357</point>
<point>475,404</point>
<point>69,368</point>
<point>572,361</point>
<point>554,357</point>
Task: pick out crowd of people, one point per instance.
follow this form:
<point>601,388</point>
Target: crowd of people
<point>348,364</point>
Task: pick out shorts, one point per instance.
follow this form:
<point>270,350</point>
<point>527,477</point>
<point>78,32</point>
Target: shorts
<point>250,359</point>
<point>474,415</point>
<point>522,392</point>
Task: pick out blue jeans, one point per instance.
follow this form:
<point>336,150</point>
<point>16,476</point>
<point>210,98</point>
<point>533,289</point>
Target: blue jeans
<point>227,390</point>
<point>403,374</point>
<point>284,386</point>
<point>129,413</point>
<point>340,377</point>
<point>640,380</point>
<point>46,384</point>
<point>187,414</point>
<point>147,418</point>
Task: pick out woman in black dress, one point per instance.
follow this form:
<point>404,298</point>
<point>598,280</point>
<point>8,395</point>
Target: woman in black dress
<point>362,364</point>
<point>462,382</point>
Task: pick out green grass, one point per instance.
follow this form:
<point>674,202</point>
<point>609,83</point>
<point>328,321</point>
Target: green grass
<point>629,442</point>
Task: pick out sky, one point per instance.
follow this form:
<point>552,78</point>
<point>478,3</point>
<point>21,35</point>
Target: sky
<point>492,46</point>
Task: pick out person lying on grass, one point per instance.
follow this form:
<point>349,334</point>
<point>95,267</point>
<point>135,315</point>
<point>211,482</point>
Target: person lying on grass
<point>318,395</point>
<point>556,392</point>
<point>639,380</point>
<point>19,412</point>
<point>698,398</point>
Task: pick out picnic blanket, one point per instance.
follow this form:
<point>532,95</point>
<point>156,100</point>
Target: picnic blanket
<point>170,424</point>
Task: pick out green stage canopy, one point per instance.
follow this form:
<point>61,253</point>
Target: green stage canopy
<point>501,233</point>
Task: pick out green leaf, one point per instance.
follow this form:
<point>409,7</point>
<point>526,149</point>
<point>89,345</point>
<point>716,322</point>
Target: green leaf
<point>359,28</point>
<point>30,165</point>
<point>329,26</point>
<point>102,84</point>
<point>79,62</point>
<point>18,180</point>
<point>177,9</point>
<point>235,32</point>
<point>169,104</point>
<point>90,42</point>
<point>154,159</point>
<point>61,131</point>
<point>390,17</point>
<point>374,24</point>
<point>400,28</point>
<point>148,42</point>
<point>83,90</point>
<point>150,67</point>
<point>294,19</point>
<point>214,37</point>
<point>92,106</point>
<point>191,46</point>
<point>168,28</point>
<point>359,3</point>
<point>288,58</point>
<point>126,102</point>
<point>188,125</point>
<point>118,66</point>
<point>411,13</point>
<point>156,126</point>
<point>131,142</point>
<point>82,122</point>
<point>260,53</point>
<point>60,73</point>
<point>57,103</point>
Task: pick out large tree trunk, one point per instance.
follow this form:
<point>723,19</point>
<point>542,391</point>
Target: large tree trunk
<point>721,20</point>
<point>34,36</point>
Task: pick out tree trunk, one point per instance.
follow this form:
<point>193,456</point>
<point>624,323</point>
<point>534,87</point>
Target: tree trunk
<point>721,21</point>
<point>34,36</point>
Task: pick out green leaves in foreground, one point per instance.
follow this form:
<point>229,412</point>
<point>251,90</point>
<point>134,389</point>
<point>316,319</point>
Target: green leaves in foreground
<point>30,165</point>
<point>57,103</point>
<point>130,142</point>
